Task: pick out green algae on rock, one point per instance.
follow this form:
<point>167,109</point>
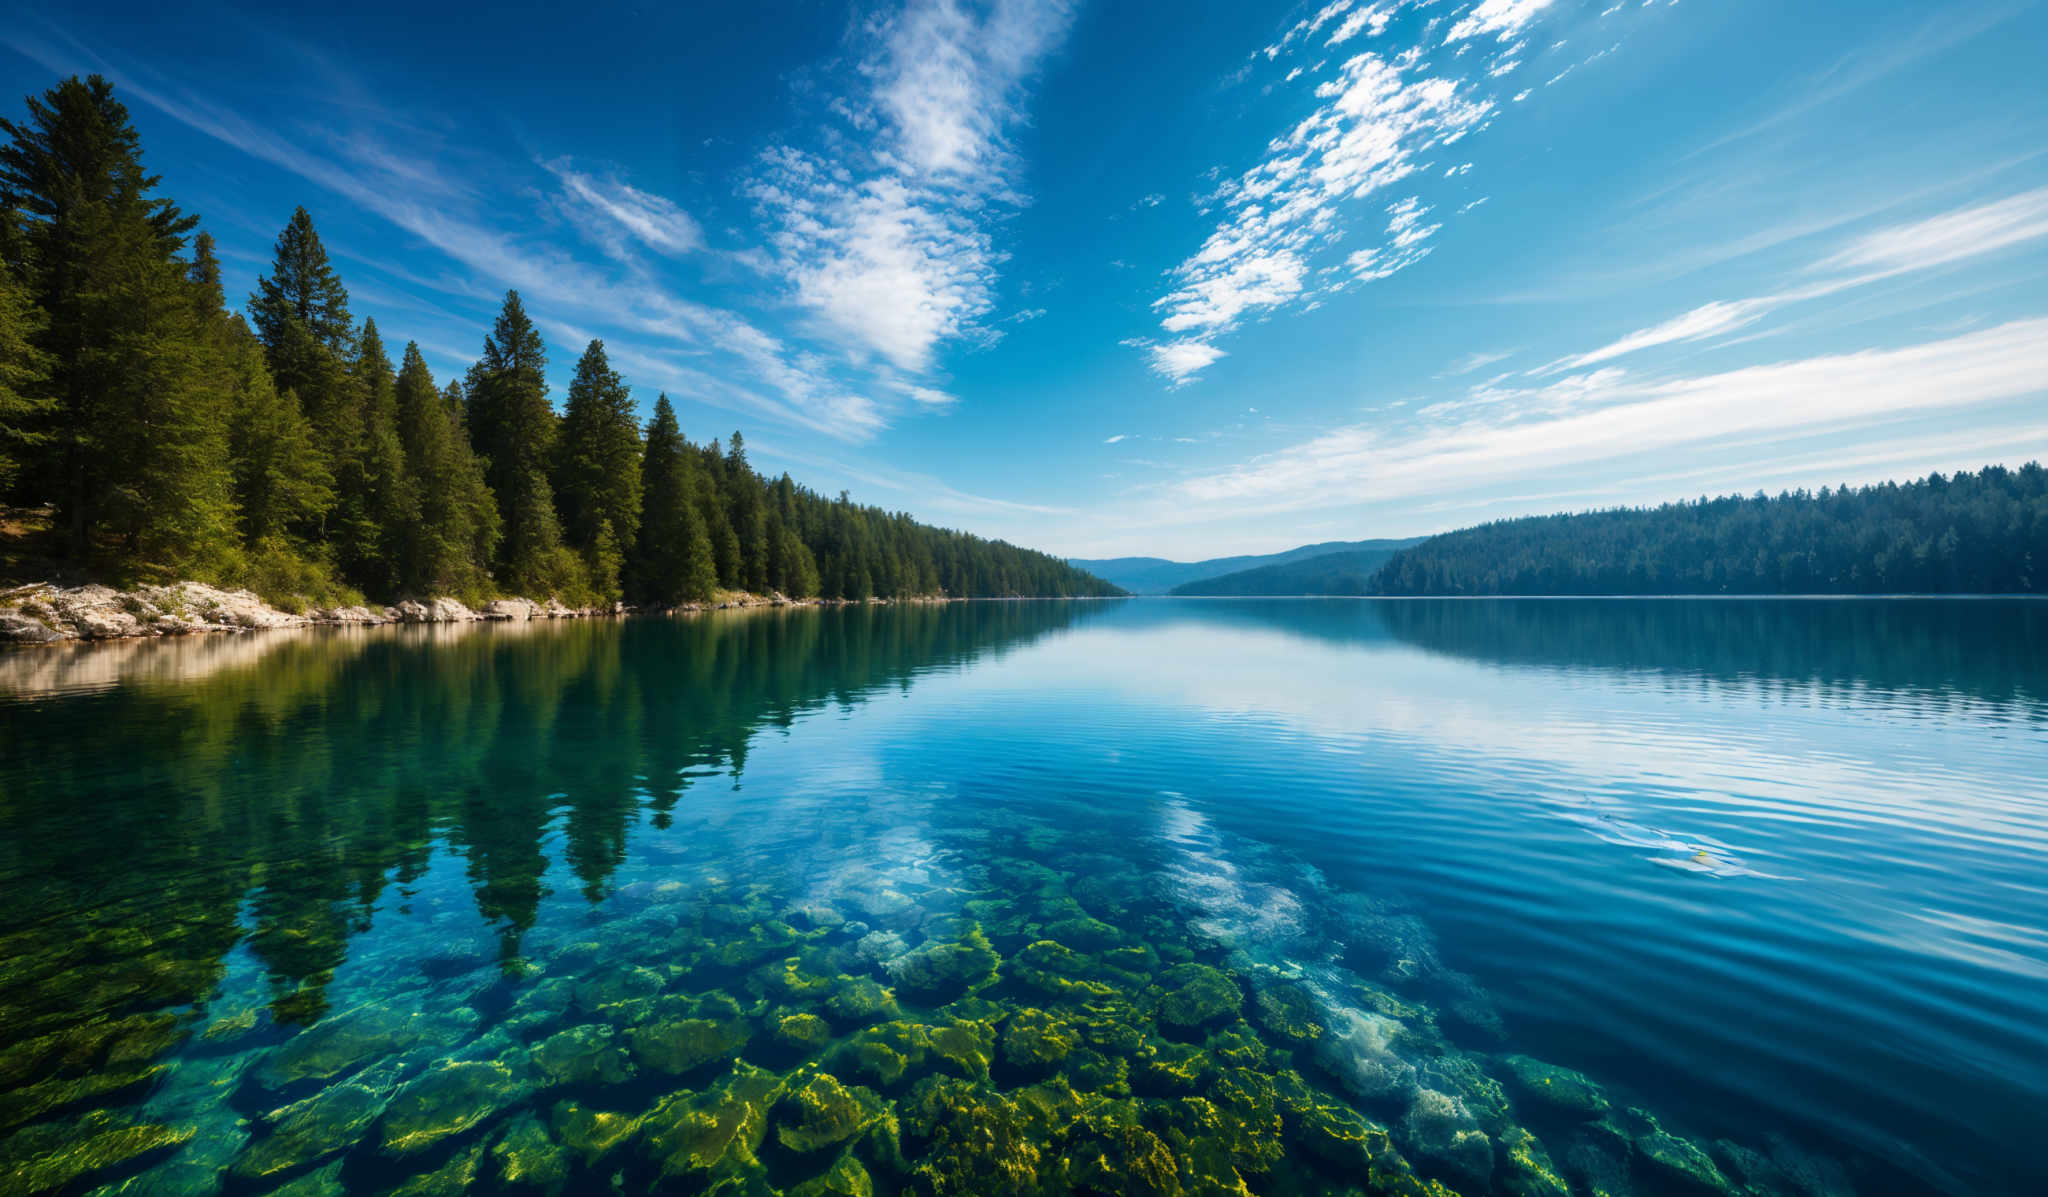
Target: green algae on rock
<point>305,1132</point>
<point>53,1156</point>
<point>447,1100</point>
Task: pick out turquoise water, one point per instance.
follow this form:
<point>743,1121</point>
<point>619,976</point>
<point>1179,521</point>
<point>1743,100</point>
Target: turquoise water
<point>1665,897</point>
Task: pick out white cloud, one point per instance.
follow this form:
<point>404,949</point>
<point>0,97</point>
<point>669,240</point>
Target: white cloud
<point>888,241</point>
<point>1118,437</point>
<point>1182,360</point>
<point>625,212</point>
<point>1478,360</point>
<point>1373,125</point>
<point>1610,416</point>
<point>1949,237</point>
<point>1885,253</point>
<point>1500,18</point>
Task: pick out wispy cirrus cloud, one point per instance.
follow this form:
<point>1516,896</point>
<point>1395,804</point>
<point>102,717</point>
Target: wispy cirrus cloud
<point>886,237</point>
<point>1882,254</point>
<point>616,213</point>
<point>1509,434</point>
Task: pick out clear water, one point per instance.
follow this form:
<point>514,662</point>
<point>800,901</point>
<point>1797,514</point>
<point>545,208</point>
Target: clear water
<point>1665,897</point>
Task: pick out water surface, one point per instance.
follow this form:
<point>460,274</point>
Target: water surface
<point>1284,896</point>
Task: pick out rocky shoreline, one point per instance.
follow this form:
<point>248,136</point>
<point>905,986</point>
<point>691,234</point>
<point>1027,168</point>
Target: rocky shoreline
<point>49,614</point>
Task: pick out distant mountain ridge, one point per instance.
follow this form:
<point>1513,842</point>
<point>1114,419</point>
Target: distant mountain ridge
<point>1156,575</point>
<point>1347,572</point>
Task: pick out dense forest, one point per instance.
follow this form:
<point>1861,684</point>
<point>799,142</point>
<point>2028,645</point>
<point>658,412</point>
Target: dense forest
<point>1968,533</point>
<point>1349,572</point>
<point>288,453</point>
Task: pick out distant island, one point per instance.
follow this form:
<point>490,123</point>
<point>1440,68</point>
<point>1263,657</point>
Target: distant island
<point>147,434</point>
<point>1967,533</point>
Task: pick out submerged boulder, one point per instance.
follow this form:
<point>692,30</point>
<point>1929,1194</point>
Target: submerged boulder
<point>308,1131</point>
<point>942,971</point>
<point>1559,1091</point>
<point>447,1100</point>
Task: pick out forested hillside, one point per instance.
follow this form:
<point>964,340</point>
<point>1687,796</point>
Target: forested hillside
<point>287,452</point>
<point>1970,533</point>
<point>1156,575</point>
<point>1348,572</point>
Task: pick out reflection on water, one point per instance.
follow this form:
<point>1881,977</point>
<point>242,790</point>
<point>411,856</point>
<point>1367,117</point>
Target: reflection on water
<point>1541,897</point>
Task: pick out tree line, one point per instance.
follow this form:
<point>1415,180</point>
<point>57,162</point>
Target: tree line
<point>1967,533</point>
<point>287,452</point>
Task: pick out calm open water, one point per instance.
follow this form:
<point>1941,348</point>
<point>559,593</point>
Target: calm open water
<point>1289,896</point>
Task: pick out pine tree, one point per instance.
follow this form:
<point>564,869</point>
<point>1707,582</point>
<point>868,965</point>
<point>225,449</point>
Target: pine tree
<point>139,438</point>
<point>672,561</point>
<point>300,312</point>
<point>597,475</point>
<point>514,429</point>
<point>281,482</point>
<point>447,549</point>
<point>25,402</point>
<point>376,504</point>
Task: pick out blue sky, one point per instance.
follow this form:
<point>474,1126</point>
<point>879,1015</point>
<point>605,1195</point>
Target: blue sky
<point>1180,279</point>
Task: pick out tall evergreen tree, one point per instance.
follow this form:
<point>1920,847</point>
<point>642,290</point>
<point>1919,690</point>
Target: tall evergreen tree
<point>672,562</point>
<point>597,475</point>
<point>300,312</point>
<point>376,503</point>
<point>447,548</point>
<point>514,428</point>
<point>25,402</point>
<point>139,435</point>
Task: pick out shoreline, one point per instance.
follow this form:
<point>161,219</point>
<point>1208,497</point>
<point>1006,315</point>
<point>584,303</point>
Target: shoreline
<point>46,613</point>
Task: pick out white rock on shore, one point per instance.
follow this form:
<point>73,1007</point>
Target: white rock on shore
<point>42,614</point>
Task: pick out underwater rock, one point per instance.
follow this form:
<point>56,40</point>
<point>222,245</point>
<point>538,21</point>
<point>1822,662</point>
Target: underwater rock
<point>1526,1170</point>
<point>1036,1041</point>
<point>338,1045</point>
<point>52,1156</point>
<point>718,1131</point>
<point>324,1181</point>
<point>822,1112</point>
<point>683,1045</point>
<point>804,1032</point>
<point>447,1100</point>
<point>1195,994</point>
<point>859,1000</point>
<point>1282,1009</point>
<point>591,1133</point>
<point>304,1132</point>
<point>450,1178</point>
<point>974,1139</point>
<point>845,1178</point>
<point>795,979</point>
<point>526,1155</point>
<point>589,1054</point>
<point>1168,1067</point>
<point>615,992</point>
<point>1358,1049</point>
<point>25,1105</point>
<point>887,1052</point>
<point>1438,1128</point>
<point>1680,1164</point>
<point>942,971</point>
<point>1557,1090</point>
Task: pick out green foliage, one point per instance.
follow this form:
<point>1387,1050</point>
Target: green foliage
<point>25,401</point>
<point>672,560</point>
<point>447,548</point>
<point>514,428</point>
<point>598,466</point>
<point>1981,533</point>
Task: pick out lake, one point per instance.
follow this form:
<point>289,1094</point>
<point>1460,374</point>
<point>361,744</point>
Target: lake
<point>1146,896</point>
